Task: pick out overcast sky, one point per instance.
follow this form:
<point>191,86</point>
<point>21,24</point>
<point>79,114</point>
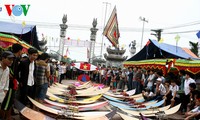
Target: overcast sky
<point>174,16</point>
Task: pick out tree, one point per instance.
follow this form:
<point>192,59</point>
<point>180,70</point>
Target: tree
<point>194,47</point>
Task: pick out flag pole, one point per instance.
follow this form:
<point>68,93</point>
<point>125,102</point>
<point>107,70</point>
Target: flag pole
<point>103,27</point>
<point>143,21</point>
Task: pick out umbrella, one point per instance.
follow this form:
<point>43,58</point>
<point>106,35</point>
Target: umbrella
<point>83,77</point>
<point>84,66</point>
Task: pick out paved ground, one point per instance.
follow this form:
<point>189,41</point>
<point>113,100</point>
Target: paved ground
<point>176,116</point>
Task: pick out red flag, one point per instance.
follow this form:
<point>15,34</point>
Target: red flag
<point>111,30</point>
<point>85,66</point>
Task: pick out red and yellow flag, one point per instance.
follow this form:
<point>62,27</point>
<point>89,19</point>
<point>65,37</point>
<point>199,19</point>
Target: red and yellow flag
<point>85,66</point>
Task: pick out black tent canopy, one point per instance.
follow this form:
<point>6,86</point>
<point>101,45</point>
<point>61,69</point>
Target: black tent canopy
<point>153,50</point>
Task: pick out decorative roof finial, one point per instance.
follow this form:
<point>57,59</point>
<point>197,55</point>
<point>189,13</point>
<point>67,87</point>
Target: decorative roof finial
<point>94,23</point>
<point>64,19</point>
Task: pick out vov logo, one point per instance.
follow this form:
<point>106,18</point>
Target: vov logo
<point>17,10</point>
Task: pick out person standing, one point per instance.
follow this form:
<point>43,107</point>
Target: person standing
<point>186,96</point>
<point>122,80</point>
<point>109,76</point>
<point>6,60</point>
<point>27,76</point>
<point>102,74</point>
<point>134,82</point>
<point>63,71</point>
<point>42,77</point>
<point>130,79</point>
<point>14,77</point>
<point>150,80</point>
<point>14,69</point>
<point>138,81</point>
<point>182,79</point>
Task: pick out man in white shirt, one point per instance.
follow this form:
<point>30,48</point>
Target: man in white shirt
<point>27,77</point>
<point>150,80</point>
<point>6,60</point>
<point>186,97</point>
<point>174,89</point>
<point>188,80</point>
<point>63,71</point>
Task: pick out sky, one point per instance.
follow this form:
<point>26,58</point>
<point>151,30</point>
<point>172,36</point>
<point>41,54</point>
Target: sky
<point>180,17</point>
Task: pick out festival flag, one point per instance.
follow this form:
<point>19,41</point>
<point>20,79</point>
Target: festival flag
<point>85,66</point>
<point>177,38</point>
<point>23,24</point>
<point>161,40</point>
<point>111,30</point>
<point>198,35</point>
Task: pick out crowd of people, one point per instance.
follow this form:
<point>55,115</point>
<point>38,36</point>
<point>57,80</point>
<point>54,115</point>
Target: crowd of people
<point>23,75</point>
<point>174,88</point>
<point>30,74</point>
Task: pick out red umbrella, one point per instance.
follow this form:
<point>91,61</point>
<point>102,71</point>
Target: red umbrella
<point>83,77</point>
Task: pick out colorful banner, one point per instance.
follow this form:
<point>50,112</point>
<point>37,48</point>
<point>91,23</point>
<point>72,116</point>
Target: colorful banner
<point>192,66</point>
<point>111,30</point>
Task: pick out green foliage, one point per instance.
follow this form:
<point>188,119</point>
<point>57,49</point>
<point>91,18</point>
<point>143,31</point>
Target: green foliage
<point>194,47</point>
